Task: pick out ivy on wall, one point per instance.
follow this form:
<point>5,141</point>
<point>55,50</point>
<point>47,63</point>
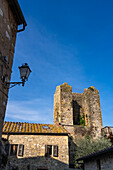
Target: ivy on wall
<point>82,119</point>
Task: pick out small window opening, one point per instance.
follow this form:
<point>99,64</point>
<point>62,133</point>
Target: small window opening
<point>48,150</point>
<point>13,149</point>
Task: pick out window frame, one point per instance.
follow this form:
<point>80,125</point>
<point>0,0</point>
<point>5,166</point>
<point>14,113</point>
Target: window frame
<point>52,151</point>
<point>12,151</point>
<point>55,150</point>
<point>48,151</point>
<point>18,148</point>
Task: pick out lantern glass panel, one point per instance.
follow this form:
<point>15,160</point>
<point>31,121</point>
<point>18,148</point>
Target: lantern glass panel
<point>27,73</point>
<point>23,72</point>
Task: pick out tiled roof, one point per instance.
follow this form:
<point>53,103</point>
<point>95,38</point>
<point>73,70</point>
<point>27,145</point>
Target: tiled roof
<point>20,127</point>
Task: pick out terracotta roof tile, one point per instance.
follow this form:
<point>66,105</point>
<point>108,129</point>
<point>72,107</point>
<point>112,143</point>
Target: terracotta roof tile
<point>20,127</point>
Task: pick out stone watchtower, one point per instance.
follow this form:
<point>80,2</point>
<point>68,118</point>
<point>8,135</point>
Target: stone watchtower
<point>73,109</point>
<point>78,113</point>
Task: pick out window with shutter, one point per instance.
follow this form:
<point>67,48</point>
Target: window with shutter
<point>55,151</point>
<point>21,150</point>
<point>48,150</point>
<point>13,150</point>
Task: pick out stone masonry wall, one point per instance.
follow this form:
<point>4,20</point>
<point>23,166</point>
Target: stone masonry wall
<point>63,111</point>
<point>34,152</point>
<point>106,162</point>
<point>91,108</point>
<point>8,30</point>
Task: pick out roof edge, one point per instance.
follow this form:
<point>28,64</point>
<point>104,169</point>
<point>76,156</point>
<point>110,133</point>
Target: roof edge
<point>17,12</point>
<point>33,133</point>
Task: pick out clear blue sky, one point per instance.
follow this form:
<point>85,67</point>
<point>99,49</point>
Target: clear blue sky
<point>65,41</point>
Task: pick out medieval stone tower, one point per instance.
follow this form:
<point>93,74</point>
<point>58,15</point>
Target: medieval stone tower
<point>78,113</point>
<point>77,110</point>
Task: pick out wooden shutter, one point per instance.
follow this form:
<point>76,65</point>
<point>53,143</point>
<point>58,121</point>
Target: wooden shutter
<point>7,148</point>
<point>21,150</point>
<point>46,150</point>
<point>55,151</point>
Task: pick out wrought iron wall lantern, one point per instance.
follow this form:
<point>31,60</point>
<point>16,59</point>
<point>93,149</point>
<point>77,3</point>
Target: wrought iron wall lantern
<point>24,74</point>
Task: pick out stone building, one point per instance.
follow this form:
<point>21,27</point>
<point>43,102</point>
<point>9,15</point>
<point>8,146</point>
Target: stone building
<point>36,146</point>
<point>75,116</point>
<point>10,18</point>
<point>100,160</point>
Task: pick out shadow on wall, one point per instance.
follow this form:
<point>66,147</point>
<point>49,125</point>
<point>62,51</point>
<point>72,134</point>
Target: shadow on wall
<point>72,148</point>
<point>76,113</point>
<point>35,163</point>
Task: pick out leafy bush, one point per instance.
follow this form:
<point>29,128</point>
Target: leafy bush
<point>87,145</point>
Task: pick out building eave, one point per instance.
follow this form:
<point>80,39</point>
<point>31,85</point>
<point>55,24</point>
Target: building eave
<point>17,12</point>
<point>23,133</point>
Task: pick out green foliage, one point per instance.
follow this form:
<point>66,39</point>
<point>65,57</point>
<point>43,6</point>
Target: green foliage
<point>82,119</point>
<point>87,145</point>
<point>91,88</point>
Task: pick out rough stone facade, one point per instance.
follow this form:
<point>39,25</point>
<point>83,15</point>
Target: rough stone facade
<point>8,30</point>
<point>78,113</point>
<point>9,22</point>
<point>34,152</point>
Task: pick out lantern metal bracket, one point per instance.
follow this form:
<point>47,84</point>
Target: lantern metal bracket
<point>24,74</point>
<point>15,83</point>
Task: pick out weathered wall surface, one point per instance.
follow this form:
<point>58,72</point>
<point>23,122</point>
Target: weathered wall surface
<point>91,108</point>
<point>106,162</point>
<point>8,30</point>
<point>63,111</point>
<point>34,152</point>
